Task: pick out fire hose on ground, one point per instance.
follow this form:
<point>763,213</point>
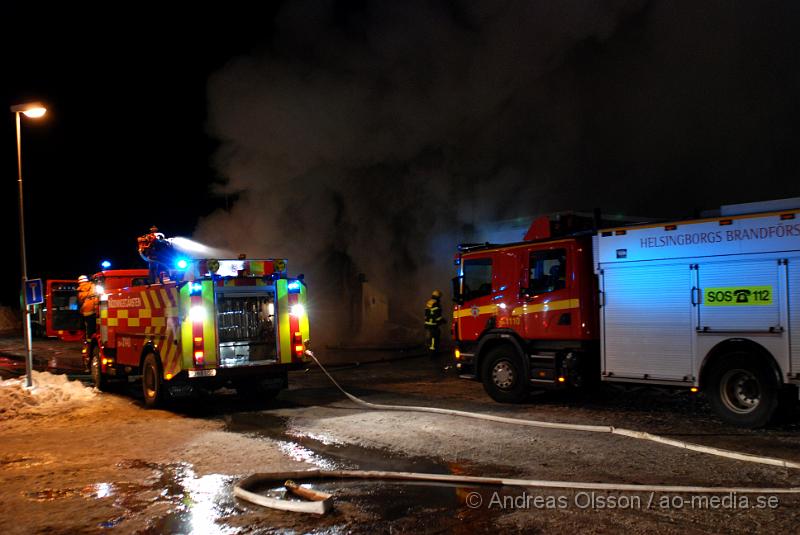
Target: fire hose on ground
<point>243,489</point>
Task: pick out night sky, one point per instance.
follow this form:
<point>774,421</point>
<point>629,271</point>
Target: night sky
<point>375,135</point>
<point>124,144</point>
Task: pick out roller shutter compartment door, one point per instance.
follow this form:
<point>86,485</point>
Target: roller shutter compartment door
<point>648,327</point>
<point>739,296</point>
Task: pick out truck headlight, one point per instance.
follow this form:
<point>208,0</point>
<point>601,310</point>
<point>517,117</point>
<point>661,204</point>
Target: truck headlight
<point>197,313</point>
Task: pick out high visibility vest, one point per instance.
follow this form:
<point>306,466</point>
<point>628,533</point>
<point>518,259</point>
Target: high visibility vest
<point>87,298</point>
<point>433,314</point>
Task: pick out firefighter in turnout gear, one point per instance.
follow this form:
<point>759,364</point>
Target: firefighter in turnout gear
<point>88,303</point>
<point>433,318</point>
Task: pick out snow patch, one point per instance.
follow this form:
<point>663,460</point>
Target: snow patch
<point>51,394</point>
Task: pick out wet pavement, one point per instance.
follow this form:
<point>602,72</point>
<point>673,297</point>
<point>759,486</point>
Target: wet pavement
<point>176,497</point>
<point>420,507</point>
<point>49,355</point>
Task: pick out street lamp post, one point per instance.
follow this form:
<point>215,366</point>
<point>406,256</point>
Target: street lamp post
<point>33,110</point>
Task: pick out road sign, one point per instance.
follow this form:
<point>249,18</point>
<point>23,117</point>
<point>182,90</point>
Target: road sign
<point>33,292</point>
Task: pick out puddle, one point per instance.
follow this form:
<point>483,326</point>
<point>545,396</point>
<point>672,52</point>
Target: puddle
<point>196,504</point>
<point>324,452</point>
<point>419,507</point>
<point>173,495</point>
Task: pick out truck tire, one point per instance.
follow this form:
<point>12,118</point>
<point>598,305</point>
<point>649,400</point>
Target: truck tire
<point>152,383</point>
<point>503,375</point>
<point>743,390</point>
<point>100,381</point>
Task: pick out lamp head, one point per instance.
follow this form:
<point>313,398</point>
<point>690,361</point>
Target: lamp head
<point>33,110</point>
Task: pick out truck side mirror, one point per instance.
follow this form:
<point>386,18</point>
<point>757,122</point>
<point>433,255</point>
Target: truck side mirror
<point>458,296</point>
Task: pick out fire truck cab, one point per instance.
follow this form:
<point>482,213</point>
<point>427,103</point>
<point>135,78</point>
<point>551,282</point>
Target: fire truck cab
<point>534,299</point>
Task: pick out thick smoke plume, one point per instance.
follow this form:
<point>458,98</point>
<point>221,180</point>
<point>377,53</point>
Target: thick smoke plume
<point>372,139</point>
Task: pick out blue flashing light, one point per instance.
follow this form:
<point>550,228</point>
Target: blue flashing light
<point>105,264</point>
<point>182,263</point>
<point>294,287</point>
<point>195,288</point>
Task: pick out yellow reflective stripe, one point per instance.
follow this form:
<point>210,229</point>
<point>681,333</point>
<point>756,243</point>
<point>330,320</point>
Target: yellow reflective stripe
<point>145,300</point>
<point>546,307</point>
<point>304,328</point>
<point>186,328</point>
<point>282,315</point>
<point>464,312</point>
<point>209,325</point>
<point>562,304</point>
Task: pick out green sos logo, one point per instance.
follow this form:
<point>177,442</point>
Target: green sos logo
<point>738,296</point>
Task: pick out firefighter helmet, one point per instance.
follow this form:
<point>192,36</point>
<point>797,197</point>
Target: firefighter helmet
<point>83,278</point>
<point>436,294</point>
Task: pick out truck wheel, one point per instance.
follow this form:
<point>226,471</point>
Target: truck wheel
<point>100,381</point>
<point>152,384</point>
<point>504,376</point>
<point>742,390</point>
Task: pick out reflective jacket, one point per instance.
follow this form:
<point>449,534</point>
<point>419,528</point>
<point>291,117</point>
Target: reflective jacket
<point>87,298</point>
<point>433,313</point>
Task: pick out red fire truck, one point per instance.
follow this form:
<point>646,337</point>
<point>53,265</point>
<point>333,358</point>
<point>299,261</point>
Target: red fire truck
<point>62,317</point>
<point>710,304</point>
<point>58,315</point>
<point>200,325</point>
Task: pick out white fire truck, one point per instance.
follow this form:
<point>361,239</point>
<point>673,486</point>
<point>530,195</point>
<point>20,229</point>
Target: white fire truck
<point>710,304</point>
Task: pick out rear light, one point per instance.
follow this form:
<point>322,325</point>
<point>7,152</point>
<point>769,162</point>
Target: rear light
<point>297,340</point>
<point>199,358</point>
<point>297,310</point>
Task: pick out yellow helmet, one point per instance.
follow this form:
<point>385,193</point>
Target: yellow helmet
<point>436,294</point>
